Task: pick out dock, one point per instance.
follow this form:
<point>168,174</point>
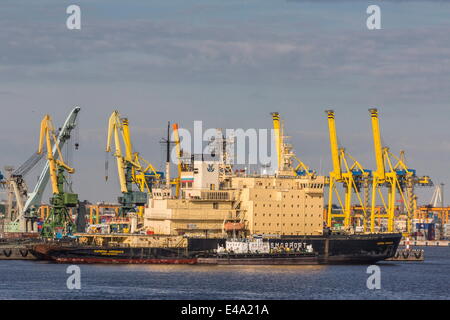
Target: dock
<point>15,252</point>
<point>14,246</point>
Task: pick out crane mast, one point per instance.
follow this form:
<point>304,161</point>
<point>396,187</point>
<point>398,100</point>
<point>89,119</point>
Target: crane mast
<point>334,145</point>
<point>116,128</point>
<point>278,139</point>
<point>380,173</point>
<point>179,155</point>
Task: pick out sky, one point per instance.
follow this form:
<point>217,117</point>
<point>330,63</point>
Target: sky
<point>227,63</point>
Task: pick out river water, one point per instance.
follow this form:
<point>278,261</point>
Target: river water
<point>412,280</point>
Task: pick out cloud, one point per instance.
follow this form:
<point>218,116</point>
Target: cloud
<point>172,52</point>
<point>180,69</point>
<point>370,2</point>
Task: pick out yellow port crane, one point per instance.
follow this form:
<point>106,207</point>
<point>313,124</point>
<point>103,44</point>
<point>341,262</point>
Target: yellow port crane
<point>59,220</point>
<point>393,173</point>
<point>179,155</point>
<point>129,167</point>
<point>285,155</point>
<point>353,176</point>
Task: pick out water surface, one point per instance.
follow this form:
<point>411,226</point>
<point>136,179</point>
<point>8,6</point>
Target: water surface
<point>414,280</point>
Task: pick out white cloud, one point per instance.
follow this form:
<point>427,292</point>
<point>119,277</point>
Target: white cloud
<point>165,69</point>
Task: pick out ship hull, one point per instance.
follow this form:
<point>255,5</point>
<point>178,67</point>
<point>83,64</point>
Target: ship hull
<point>102,255</point>
<point>88,260</point>
<point>261,259</point>
<point>349,249</point>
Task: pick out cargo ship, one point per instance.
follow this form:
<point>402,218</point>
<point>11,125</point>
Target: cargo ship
<point>331,249</point>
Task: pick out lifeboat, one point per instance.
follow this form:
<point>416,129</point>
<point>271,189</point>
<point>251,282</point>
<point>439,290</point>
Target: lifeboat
<point>234,226</point>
